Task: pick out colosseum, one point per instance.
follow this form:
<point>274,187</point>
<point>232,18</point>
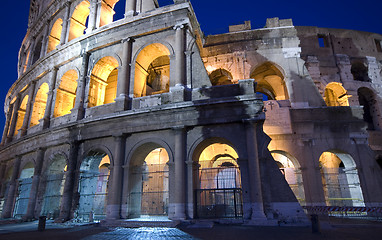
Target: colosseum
<point>146,118</point>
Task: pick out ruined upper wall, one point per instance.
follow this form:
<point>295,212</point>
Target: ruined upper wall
<point>355,44</point>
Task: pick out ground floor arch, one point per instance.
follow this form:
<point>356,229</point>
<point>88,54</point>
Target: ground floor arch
<point>340,179</point>
<point>93,186</point>
<point>290,168</point>
<point>24,189</point>
<point>217,181</point>
<point>55,178</point>
<point>148,182</point>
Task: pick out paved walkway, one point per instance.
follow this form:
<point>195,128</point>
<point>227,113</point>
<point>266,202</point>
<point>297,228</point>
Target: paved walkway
<point>142,233</point>
<point>336,230</point>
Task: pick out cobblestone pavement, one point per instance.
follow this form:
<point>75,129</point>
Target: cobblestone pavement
<point>143,233</point>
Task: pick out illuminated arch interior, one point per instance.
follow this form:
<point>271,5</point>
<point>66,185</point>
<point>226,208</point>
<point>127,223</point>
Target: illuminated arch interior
<point>336,95</point>
<point>107,12</point>
<point>55,35</point>
<point>78,20</point>
<point>220,77</point>
<point>340,179</point>
<point>21,114</point>
<point>152,71</point>
<point>103,82</point>
<point>39,104</point>
<point>270,82</point>
<point>66,93</point>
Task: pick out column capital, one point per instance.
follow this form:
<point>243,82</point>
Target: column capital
<point>67,4</point>
<point>178,128</point>
<point>129,39</point>
<point>251,121</point>
<point>179,26</point>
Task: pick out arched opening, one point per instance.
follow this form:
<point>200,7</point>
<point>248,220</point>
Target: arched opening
<point>217,183</point>
<point>149,182</point>
<point>152,71</point>
<point>66,94</point>
<point>270,82</point>
<point>93,186</point>
<point>21,114</point>
<point>55,35</point>
<point>336,95</point>
<point>103,82</point>
<point>55,178</point>
<point>24,188</point>
<point>4,188</point>
<point>360,72</point>
<point>37,51</point>
<point>220,77</point>
<point>289,167</point>
<point>39,104</point>
<point>79,19</point>
<point>107,11</point>
<point>367,99</point>
<point>340,180</point>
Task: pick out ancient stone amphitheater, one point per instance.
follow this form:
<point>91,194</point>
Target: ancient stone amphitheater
<point>145,117</point>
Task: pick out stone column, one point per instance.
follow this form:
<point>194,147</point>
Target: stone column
<point>35,183</point>
<point>65,24</point>
<point>79,108</point>
<point>8,208</point>
<point>98,14</point>
<point>49,103</point>
<point>28,111</point>
<point>12,128</point>
<point>67,195</point>
<point>114,204</point>
<point>255,191</point>
<point>45,40</point>
<point>180,58</point>
<point>124,76</point>
<point>313,188</point>
<point>7,124</point>
<point>180,187</point>
<point>93,16</point>
<point>191,168</point>
<point>131,8</point>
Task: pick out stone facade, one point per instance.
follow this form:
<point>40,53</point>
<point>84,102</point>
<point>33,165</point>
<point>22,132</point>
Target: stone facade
<point>146,116</point>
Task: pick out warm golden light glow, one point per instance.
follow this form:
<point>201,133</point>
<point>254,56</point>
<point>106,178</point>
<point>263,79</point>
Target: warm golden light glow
<point>107,12</point>
<point>78,20</point>
<point>336,95</point>
<point>270,81</point>
<point>21,114</point>
<point>105,162</point>
<point>220,77</point>
<point>216,154</point>
<point>103,82</point>
<point>66,93</point>
<point>55,35</point>
<point>157,156</point>
<point>39,104</point>
<point>152,71</point>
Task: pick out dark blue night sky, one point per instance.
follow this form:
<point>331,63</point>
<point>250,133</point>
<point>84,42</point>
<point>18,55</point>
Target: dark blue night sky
<point>214,16</point>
